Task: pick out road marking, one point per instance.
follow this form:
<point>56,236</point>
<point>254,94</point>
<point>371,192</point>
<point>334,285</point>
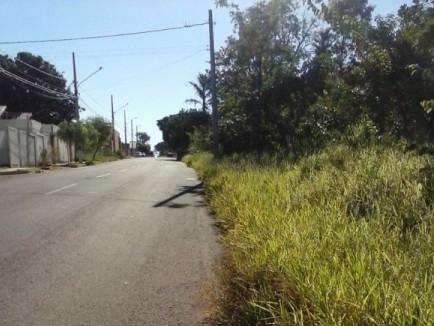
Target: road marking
<point>104,175</point>
<point>61,189</point>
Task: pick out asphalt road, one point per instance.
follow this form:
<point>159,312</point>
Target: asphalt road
<point>123,243</point>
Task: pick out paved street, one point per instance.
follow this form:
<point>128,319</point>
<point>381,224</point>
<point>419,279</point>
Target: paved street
<point>123,243</point>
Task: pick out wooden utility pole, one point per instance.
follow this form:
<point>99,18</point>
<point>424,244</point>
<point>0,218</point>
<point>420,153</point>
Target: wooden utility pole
<point>113,126</point>
<point>215,131</point>
<point>76,107</point>
<point>125,130</point>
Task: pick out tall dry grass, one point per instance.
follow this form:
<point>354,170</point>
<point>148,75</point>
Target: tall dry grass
<point>342,237</point>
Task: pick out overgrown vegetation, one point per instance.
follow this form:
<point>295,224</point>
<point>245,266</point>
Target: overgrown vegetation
<point>340,237</point>
<point>295,74</point>
<point>323,224</point>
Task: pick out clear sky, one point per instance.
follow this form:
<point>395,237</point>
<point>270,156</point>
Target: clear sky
<point>151,72</point>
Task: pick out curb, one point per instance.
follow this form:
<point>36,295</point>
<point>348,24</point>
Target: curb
<point>15,171</point>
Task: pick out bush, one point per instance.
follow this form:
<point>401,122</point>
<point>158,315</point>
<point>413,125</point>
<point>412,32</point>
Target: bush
<point>343,236</point>
<point>119,154</point>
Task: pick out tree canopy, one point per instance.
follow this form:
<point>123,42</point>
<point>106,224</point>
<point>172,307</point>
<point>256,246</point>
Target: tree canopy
<point>176,128</point>
<point>297,73</point>
<point>142,143</point>
<point>18,97</point>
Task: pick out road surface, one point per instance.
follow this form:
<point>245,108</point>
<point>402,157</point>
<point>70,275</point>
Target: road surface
<point>124,243</point>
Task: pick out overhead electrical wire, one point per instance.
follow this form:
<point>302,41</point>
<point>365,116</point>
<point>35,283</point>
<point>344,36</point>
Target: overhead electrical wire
<point>104,36</point>
<point>19,84</point>
<point>90,108</point>
<point>35,68</point>
<point>32,84</point>
<point>39,70</point>
<point>114,85</point>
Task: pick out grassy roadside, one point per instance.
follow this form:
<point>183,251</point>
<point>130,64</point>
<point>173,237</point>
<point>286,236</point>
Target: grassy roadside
<point>341,237</point>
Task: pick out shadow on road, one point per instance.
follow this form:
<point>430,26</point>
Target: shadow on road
<point>197,189</point>
<point>169,159</point>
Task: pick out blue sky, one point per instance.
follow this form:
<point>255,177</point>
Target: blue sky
<point>151,72</point>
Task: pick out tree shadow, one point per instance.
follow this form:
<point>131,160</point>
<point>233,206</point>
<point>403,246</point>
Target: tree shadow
<point>197,190</point>
<point>168,159</point>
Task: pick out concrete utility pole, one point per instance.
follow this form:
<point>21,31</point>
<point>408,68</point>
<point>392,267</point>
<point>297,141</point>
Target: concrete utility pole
<point>132,137</point>
<point>215,131</point>
<point>76,107</point>
<point>113,126</point>
<point>125,129</point>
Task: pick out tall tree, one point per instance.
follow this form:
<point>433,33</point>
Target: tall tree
<point>45,107</point>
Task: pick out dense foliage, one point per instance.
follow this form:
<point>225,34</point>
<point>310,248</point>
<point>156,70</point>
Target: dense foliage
<point>45,107</point>
<point>142,143</point>
<point>295,74</point>
<point>162,148</point>
<point>88,135</point>
<point>176,128</point>
<point>333,223</point>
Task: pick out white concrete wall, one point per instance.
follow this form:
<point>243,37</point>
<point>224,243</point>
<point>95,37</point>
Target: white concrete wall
<point>22,143</point>
<point>4,148</point>
<point>14,147</point>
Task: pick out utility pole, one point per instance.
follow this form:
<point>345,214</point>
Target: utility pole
<point>132,137</point>
<point>113,126</point>
<point>76,108</point>
<point>125,130</point>
<point>215,131</point>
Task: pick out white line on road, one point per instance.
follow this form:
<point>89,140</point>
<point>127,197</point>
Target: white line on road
<point>104,175</point>
<point>61,189</point>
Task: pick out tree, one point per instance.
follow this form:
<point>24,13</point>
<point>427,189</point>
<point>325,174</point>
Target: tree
<point>142,137</point>
<point>99,133</point>
<point>176,128</point>
<point>202,91</point>
<point>290,82</point>
<point>45,107</point>
<point>162,148</point>
<point>142,143</point>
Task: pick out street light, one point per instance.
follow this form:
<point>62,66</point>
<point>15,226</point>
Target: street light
<point>90,76</point>
<point>122,107</point>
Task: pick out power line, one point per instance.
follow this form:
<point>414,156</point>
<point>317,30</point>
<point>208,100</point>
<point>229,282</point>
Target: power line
<point>89,107</point>
<point>115,84</point>
<point>30,83</point>
<point>39,94</point>
<point>39,70</point>
<point>35,68</point>
<point>104,36</point>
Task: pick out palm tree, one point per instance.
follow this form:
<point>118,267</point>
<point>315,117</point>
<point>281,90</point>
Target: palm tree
<point>202,90</point>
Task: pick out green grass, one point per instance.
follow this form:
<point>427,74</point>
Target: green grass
<point>342,237</point>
